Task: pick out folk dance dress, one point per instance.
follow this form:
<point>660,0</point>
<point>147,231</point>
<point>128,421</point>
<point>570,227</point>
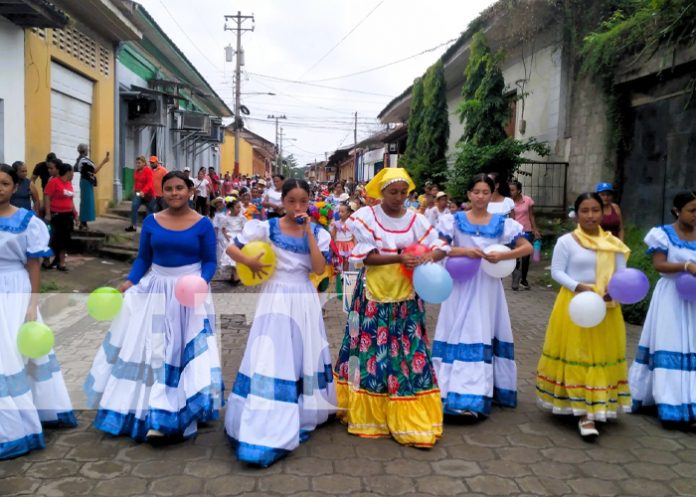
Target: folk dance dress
<point>284,388</point>
<point>344,238</point>
<point>234,226</point>
<point>32,391</point>
<point>473,351</point>
<point>159,366</point>
<point>385,380</point>
<point>664,370</point>
<point>582,371</point>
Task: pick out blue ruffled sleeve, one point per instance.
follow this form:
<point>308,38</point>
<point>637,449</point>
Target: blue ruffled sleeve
<point>208,251</point>
<point>144,260</point>
<point>37,238</point>
<point>657,241</point>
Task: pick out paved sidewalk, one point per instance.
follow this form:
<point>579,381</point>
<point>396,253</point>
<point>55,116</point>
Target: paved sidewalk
<point>520,451</point>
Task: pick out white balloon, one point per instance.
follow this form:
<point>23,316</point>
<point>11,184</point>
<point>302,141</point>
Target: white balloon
<point>499,269</point>
<point>587,309</point>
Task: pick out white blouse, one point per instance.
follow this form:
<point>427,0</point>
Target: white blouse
<point>503,208</point>
<point>573,264</point>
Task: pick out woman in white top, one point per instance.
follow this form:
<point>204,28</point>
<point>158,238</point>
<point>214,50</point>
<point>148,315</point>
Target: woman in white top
<point>582,371</point>
<point>201,187</point>
<point>272,200</point>
<point>501,203</point>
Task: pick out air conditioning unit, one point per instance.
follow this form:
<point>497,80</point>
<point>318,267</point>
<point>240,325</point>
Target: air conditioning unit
<point>195,121</point>
<point>147,111</point>
<point>393,148</point>
<point>217,131</point>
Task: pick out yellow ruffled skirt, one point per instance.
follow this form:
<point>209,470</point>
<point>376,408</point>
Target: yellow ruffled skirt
<point>583,371</point>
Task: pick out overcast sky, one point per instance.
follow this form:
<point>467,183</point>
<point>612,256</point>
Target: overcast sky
<point>318,42</point>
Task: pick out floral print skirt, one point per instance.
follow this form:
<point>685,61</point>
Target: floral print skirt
<point>385,380</point>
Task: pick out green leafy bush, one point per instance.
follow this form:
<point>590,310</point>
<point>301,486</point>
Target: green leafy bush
<point>639,259</point>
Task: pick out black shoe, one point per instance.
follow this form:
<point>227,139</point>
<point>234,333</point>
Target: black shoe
<point>524,285</point>
<point>131,229</point>
<point>516,276</point>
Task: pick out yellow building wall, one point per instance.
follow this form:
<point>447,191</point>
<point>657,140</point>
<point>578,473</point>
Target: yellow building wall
<point>246,155</point>
<point>39,53</point>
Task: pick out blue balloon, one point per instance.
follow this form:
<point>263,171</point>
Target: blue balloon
<point>628,286</point>
<point>432,283</point>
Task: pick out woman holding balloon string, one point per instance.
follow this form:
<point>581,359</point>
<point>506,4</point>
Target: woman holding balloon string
<point>32,389</point>
<point>662,374</point>
<point>582,370</point>
<point>284,388</point>
<point>386,384</point>
<point>473,352</point>
<point>157,373</point>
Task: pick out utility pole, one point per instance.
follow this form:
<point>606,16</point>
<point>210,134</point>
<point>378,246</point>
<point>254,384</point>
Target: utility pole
<point>239,20</point>
<point>280,159</point>
<point>282,116</point>
<point>355,146</point>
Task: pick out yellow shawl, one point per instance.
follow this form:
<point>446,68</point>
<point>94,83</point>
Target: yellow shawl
<point>607,246</point>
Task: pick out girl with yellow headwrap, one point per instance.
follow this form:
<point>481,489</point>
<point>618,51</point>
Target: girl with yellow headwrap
<point>385,379</point>
<point>582,371</point>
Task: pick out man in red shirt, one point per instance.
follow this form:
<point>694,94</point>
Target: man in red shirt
<point>158,172</point>
<point>143,191</point>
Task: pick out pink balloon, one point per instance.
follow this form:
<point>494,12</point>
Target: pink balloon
<point>191,290</point>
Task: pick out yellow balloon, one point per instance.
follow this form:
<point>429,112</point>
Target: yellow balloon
<point>254,249</point>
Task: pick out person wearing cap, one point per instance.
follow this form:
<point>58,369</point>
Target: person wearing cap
<point>438,210</point>
<point>158,172</point>
<point>187,171</point>
<point>385,381</point>
<point>612,219</point>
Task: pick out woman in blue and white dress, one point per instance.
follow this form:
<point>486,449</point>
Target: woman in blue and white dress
<point>473,352</point>
<point>664,371</point>
<point>32,391</point>
<point>284,388</point>
<point>157,373</point>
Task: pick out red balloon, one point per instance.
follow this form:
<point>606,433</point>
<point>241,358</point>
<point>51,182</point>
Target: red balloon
<point>417,250</point>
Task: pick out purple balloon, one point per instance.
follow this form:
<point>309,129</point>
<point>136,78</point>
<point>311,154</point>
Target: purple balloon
<point>462,268</point>
<point>628,286</point>
<point>686,286</point>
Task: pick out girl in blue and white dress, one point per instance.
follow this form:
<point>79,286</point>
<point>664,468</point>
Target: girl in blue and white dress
<point>284,388</point>
<point>158,374</point>
<point>32,391</point>
<point>473,352</point>
<point>664,370</point>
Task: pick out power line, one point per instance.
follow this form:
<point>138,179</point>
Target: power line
<point>342,39</point>
<point>188,37</point>
<point>385,65</point>
<point>296,82</point>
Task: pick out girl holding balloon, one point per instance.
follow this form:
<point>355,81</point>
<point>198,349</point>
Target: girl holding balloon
<point>157,373</point>
<point>662,373</point>
<point>582,370</point>
<point>284,388</point>
<point>32,390</point>
<point>473,352</point>
<point>386,384</point>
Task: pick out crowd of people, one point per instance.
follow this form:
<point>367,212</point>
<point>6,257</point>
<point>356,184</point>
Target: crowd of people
<point>157,375</point>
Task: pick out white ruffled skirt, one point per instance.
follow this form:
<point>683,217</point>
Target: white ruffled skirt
<point>159,365</point>
<point>284,388</point>
<point>32,391</point>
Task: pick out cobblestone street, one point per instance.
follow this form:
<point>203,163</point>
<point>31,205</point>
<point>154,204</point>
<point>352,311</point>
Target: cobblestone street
<point>521,451</point>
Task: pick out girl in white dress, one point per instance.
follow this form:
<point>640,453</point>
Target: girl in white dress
<point>500,202</point>
<point>231,227</point>
<point>664,370</point>
<point>284,388</point>
<point>32,391</point>
<point>473,352</point>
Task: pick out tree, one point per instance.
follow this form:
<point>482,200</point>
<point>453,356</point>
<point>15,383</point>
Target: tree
<point>288,163</point>
<point>485,111</point>
<point>433,135</point>
<point>415,117</point>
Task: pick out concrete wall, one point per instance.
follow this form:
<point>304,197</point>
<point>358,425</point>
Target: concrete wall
<point>12,133</point>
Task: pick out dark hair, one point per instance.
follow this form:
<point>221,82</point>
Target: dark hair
<point>11,171</point>
<point>282,178</point>
<point>231,204</point>
<point>517,184</point>
<point>17,164</point>
<point>50,156</point>
<point>680,200</point>
<point>177,174</point>
<point>55,161</point>
<point>63,167</point>
<point>587,196</point>
<point>480,178</point>
<point>290,185</point>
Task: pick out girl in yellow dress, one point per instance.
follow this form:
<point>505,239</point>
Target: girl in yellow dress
<point>385,381</point>
<point>582,371</point>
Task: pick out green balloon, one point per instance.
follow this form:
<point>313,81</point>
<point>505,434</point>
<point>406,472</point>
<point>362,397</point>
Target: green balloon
<point>34,339</point>
<point>104,303</point>
<point>324,211</point>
